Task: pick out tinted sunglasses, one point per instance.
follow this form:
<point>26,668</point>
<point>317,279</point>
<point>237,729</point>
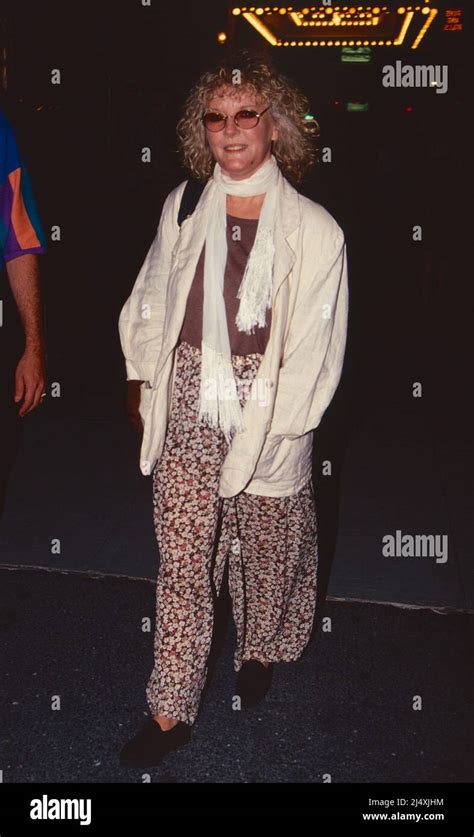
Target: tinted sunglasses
<point>213,120</point>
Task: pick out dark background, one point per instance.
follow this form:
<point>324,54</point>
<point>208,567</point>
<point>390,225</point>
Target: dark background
<point>126,70</point>
<point>71,621</point>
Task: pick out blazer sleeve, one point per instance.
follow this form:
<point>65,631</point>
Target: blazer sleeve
<point>314,352</point>
<point>142,316</point>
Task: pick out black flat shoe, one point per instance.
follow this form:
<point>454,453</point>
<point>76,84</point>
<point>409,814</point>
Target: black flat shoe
<point>253,682</point>
<point>152,744</point>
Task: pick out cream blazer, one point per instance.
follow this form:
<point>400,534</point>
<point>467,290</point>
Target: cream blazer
<point>302,363</point>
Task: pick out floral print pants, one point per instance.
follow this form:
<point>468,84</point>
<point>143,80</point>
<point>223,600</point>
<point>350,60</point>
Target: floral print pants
<point>270,543</point>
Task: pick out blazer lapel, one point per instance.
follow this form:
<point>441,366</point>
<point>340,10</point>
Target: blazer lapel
<point>188,248</point>
<point>185,257</point>
<point>287,221</point>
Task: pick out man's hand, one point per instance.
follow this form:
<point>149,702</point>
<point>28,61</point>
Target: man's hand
<point>30,375</point>
<point>30,380</point>
<point>133,403</point>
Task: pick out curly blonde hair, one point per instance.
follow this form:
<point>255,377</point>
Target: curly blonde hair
<point>294,149</point>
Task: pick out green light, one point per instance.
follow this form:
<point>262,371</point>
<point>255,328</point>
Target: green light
<point>354,107</point>
<point>356,55</point>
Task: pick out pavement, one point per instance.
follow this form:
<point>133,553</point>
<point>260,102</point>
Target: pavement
<point>383,693</point>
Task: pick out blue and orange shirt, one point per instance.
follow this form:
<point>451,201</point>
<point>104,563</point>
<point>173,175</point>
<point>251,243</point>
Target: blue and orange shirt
<point>20,226</point>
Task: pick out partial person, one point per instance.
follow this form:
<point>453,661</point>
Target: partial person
<point>22,343</point>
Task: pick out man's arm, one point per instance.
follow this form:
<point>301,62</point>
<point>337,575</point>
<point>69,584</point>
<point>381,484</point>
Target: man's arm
<point>21,240</point>
<point>30,376</point>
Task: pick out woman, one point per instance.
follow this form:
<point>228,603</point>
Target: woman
<point>236,331</point>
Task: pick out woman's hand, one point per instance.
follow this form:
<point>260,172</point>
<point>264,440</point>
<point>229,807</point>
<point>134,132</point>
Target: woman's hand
<point>133,403</point>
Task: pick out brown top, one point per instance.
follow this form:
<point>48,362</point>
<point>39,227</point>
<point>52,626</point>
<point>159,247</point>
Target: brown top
<point>240,238</point>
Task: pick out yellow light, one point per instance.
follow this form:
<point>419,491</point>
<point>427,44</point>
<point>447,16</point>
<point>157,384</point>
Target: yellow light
<point>425,11</point>
<point>366,43</point>
<point>358,43</point>
<point>389,43</point>
<point>236,11</point>
<point>406,23</point>
<point>401,10</point>
<point>259,11</point>
<point>300,43</point>
<point>376,10</point>
<point>293,43</point>
<point>282,11</point>
<point>380,43</point>
<point>351,43</point>
<point>296,18</point>
<point>338,43</point>
<point>222,37</point>
<point>322,43</point>
<point>315,43</point>
<point>260,27</point>
<point>307,43</point>
<point>429,20</point>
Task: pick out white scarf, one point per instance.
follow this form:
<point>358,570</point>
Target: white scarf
<point>219,400</point>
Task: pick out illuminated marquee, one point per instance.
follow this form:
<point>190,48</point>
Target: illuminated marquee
<point>345,26</point>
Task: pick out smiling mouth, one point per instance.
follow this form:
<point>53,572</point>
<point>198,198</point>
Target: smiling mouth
<point>234,147</point>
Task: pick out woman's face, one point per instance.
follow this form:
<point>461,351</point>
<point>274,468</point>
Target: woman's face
<point>239,151</point>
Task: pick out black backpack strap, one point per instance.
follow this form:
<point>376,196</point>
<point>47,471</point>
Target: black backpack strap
<point>190,199</point>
